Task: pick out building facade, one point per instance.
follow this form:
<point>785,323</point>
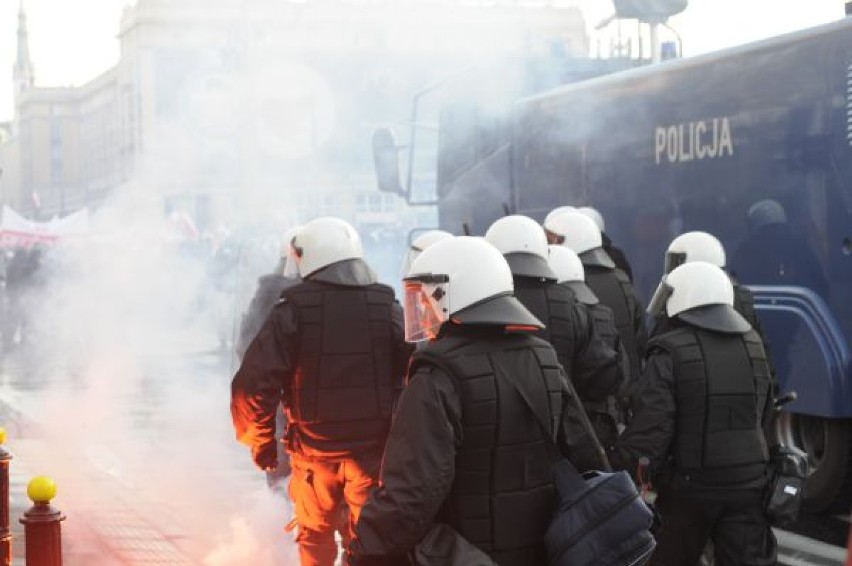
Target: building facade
<point>236,110</point>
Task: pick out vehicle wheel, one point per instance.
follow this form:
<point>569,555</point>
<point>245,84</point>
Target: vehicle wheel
<point>827,444</point>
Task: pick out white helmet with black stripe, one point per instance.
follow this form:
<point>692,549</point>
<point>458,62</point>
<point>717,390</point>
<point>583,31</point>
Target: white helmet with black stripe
<point>323,242</point>
<point>694,246</point>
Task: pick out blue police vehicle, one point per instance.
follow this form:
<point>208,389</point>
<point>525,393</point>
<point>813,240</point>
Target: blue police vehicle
<point>752,144</point>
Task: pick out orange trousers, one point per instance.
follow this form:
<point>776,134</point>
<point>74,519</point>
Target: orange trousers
<point>327,497</point>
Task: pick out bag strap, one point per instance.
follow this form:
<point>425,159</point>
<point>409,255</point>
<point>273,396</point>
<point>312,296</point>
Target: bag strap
<point>548,434</point>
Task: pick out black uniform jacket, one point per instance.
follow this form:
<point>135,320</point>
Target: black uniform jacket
<point>418,468</point>
<point>269,288</point>
<point>267,369</point>
<point>652,430</point>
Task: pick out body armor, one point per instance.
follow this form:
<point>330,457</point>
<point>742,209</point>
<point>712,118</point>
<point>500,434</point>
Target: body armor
<point>567,328</point>
<point>614,289</point>
<point>503,467</point>
<point>607,407</point>
<point>345,383</point>
<point>603,322</point>
<point>722,386</point>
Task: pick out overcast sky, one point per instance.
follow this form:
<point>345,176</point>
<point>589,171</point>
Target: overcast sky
<point>72,42</point>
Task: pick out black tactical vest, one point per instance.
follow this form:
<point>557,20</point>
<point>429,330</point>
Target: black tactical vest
<point>566,327</point>
<point>344,386</point>
<point>502,497</point>
<point>603,321</point>
<point>614,289</point>
<point>722,387</point>
<point>606,409</point>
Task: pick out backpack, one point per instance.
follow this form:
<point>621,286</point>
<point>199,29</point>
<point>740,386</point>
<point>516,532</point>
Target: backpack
<point>600,520</point>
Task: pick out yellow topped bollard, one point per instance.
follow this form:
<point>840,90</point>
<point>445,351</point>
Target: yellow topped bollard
<point>42,524</point>
<point>5,531</point>
<point>41,489</point>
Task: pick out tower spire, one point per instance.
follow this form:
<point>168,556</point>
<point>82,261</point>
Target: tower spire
<point>23,74</point>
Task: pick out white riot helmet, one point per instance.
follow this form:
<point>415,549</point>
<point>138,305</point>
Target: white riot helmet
<point>523,243</point>
<point>324,241</point>
<point>419,244</point>
<point>701,294</point>
<point>552,237</point>
<point>579,233</point>
<point>556,212</point>
<point>694,246</point>
<point>464,278</point>
<point>569,272</point>
<point>594,215</point>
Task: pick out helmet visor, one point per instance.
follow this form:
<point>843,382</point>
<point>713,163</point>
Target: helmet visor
<point>674,259</point>
<point>657,305</point>
<point>424,313</point>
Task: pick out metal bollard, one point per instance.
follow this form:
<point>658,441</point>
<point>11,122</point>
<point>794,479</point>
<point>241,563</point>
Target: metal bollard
<point>42,525</point>
<point>5,531</point>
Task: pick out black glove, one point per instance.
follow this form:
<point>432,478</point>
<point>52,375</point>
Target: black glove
<point>265,456</point>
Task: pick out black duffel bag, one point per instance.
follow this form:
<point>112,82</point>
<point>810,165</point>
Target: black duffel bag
<point>600,520</point>
<point>788,471</point>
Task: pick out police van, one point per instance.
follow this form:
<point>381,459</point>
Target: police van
<point>752,144</point>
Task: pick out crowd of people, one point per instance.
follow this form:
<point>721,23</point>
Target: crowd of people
<point>392,420</point>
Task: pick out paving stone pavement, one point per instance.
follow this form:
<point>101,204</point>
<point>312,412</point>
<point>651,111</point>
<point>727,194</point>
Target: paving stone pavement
<point>119,497</point>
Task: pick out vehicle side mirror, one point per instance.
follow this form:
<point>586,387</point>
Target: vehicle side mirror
<point>386,161</point>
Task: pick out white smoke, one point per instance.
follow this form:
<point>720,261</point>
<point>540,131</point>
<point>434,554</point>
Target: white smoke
<point>130,344</point>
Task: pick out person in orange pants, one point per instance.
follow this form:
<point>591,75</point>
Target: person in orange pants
<point>332,351</point>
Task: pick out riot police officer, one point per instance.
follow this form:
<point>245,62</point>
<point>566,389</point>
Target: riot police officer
<point>590,362</point>
<point>611,285</point>
<point>701,246</point>
<point>615,253</point>
<point>333,352</point>
<point>699,418</point>
<point>605,402</point>
<point>468,446</point>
